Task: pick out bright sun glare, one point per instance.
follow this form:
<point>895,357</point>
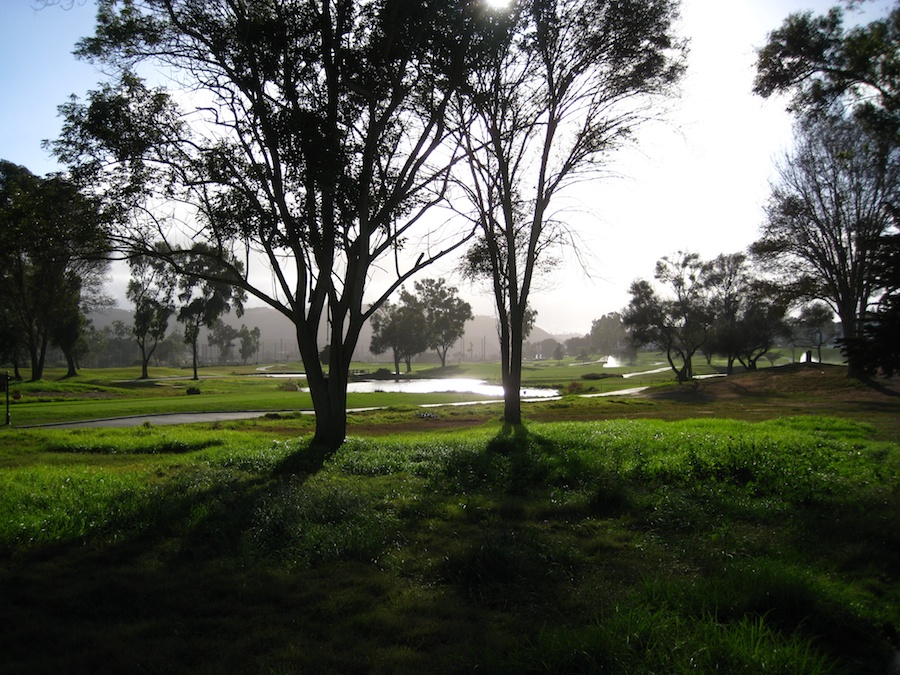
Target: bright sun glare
<point>497,4</point>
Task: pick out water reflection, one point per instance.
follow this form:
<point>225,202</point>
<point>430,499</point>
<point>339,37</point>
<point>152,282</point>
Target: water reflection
<point>459,385</point>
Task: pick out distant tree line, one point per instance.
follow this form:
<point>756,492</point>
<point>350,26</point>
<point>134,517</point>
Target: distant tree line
<point>721,307</point>
<point>54,253</point>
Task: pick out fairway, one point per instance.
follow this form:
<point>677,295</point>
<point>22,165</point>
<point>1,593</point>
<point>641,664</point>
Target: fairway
<point>106,394</point>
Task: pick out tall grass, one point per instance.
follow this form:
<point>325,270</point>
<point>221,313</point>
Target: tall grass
<point>624,546</point>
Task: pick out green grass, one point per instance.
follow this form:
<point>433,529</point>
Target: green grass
<point>623,546</point>
<point>109,393</point>
<point>100,395</point>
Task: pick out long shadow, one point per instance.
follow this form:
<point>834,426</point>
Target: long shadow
<point>183,587</point>
<point>306,461</point>
<point>879,387</point>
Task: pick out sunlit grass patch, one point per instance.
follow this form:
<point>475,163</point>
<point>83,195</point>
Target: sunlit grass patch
<point>52,505</point>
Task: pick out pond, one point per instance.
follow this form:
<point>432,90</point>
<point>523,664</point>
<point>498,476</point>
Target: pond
<point>460,385</point>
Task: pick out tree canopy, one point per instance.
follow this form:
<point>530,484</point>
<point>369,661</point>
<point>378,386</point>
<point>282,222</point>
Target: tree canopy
<point>53,248</point>
<point>305,139</point>
<point>401,329</point>
<point>151,289</point>
<point>818,62</point>
<point>834,200</point>
<point>445,315</point>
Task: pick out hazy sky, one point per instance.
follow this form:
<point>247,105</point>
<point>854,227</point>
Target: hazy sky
<point>697,183</point>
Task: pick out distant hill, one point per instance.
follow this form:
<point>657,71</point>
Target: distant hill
<point>278,340</point>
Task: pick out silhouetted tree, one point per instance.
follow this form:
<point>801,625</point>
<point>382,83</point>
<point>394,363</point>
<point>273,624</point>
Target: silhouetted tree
<point>222,336</point>
<point>249,342</point>
<point>445,315</point>
<point>677,325</point>
<point>746,312</point>
<point>820,63</point>
<point>877,347</point>
<point>834,199</point>
<point>151,289</point>
<point>568,84</point>
<point>815,327</point>
<point>53,246</point>
<point>314,142</point>
<point>204,300</point>
<point>608,334</point>
<point>402,329</point>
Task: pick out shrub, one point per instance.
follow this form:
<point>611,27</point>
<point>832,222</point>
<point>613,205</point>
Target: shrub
<point>192,391</point>
<point>574,388</point>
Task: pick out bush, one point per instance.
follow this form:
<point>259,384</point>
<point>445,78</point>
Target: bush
<point>599,376</point>
<point>574,388</point>
<point>192,391</point>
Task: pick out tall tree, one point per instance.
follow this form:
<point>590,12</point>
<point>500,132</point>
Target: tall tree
<point>608,334</point>
<point>746,312</point>
<point>824,66</point>
<point>151,290</point>
<point>814,327</point>
<point>313,143</point>
<point>877,348</point>
<point>53,253</point>
<point>401,329</point>
<point>677,325</point>
<point>568,85</point>
<point>204,298</point>
<point>834,199</point>
<point>222,336</point>
<point>249,342</point>
<point>445,315</point>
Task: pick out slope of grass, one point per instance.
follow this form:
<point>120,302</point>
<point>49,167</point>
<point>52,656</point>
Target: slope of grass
<point>625,546</point>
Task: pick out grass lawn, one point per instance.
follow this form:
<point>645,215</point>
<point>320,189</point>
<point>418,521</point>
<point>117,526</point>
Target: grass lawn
<point>744,525</point>
<point>109,393</point>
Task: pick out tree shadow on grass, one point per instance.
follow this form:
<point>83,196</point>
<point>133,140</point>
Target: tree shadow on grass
<point>306,461</point>
<point>223,571</point>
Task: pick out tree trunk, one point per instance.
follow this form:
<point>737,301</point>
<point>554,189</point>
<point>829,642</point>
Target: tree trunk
<point>194,352</point>
<point>328,391</point>
<point>329,395</point>
<point>511,338</point>
<point>850,324</point>
<point>145,359</point>
<point>38,357</point>
<point>72,366</point>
